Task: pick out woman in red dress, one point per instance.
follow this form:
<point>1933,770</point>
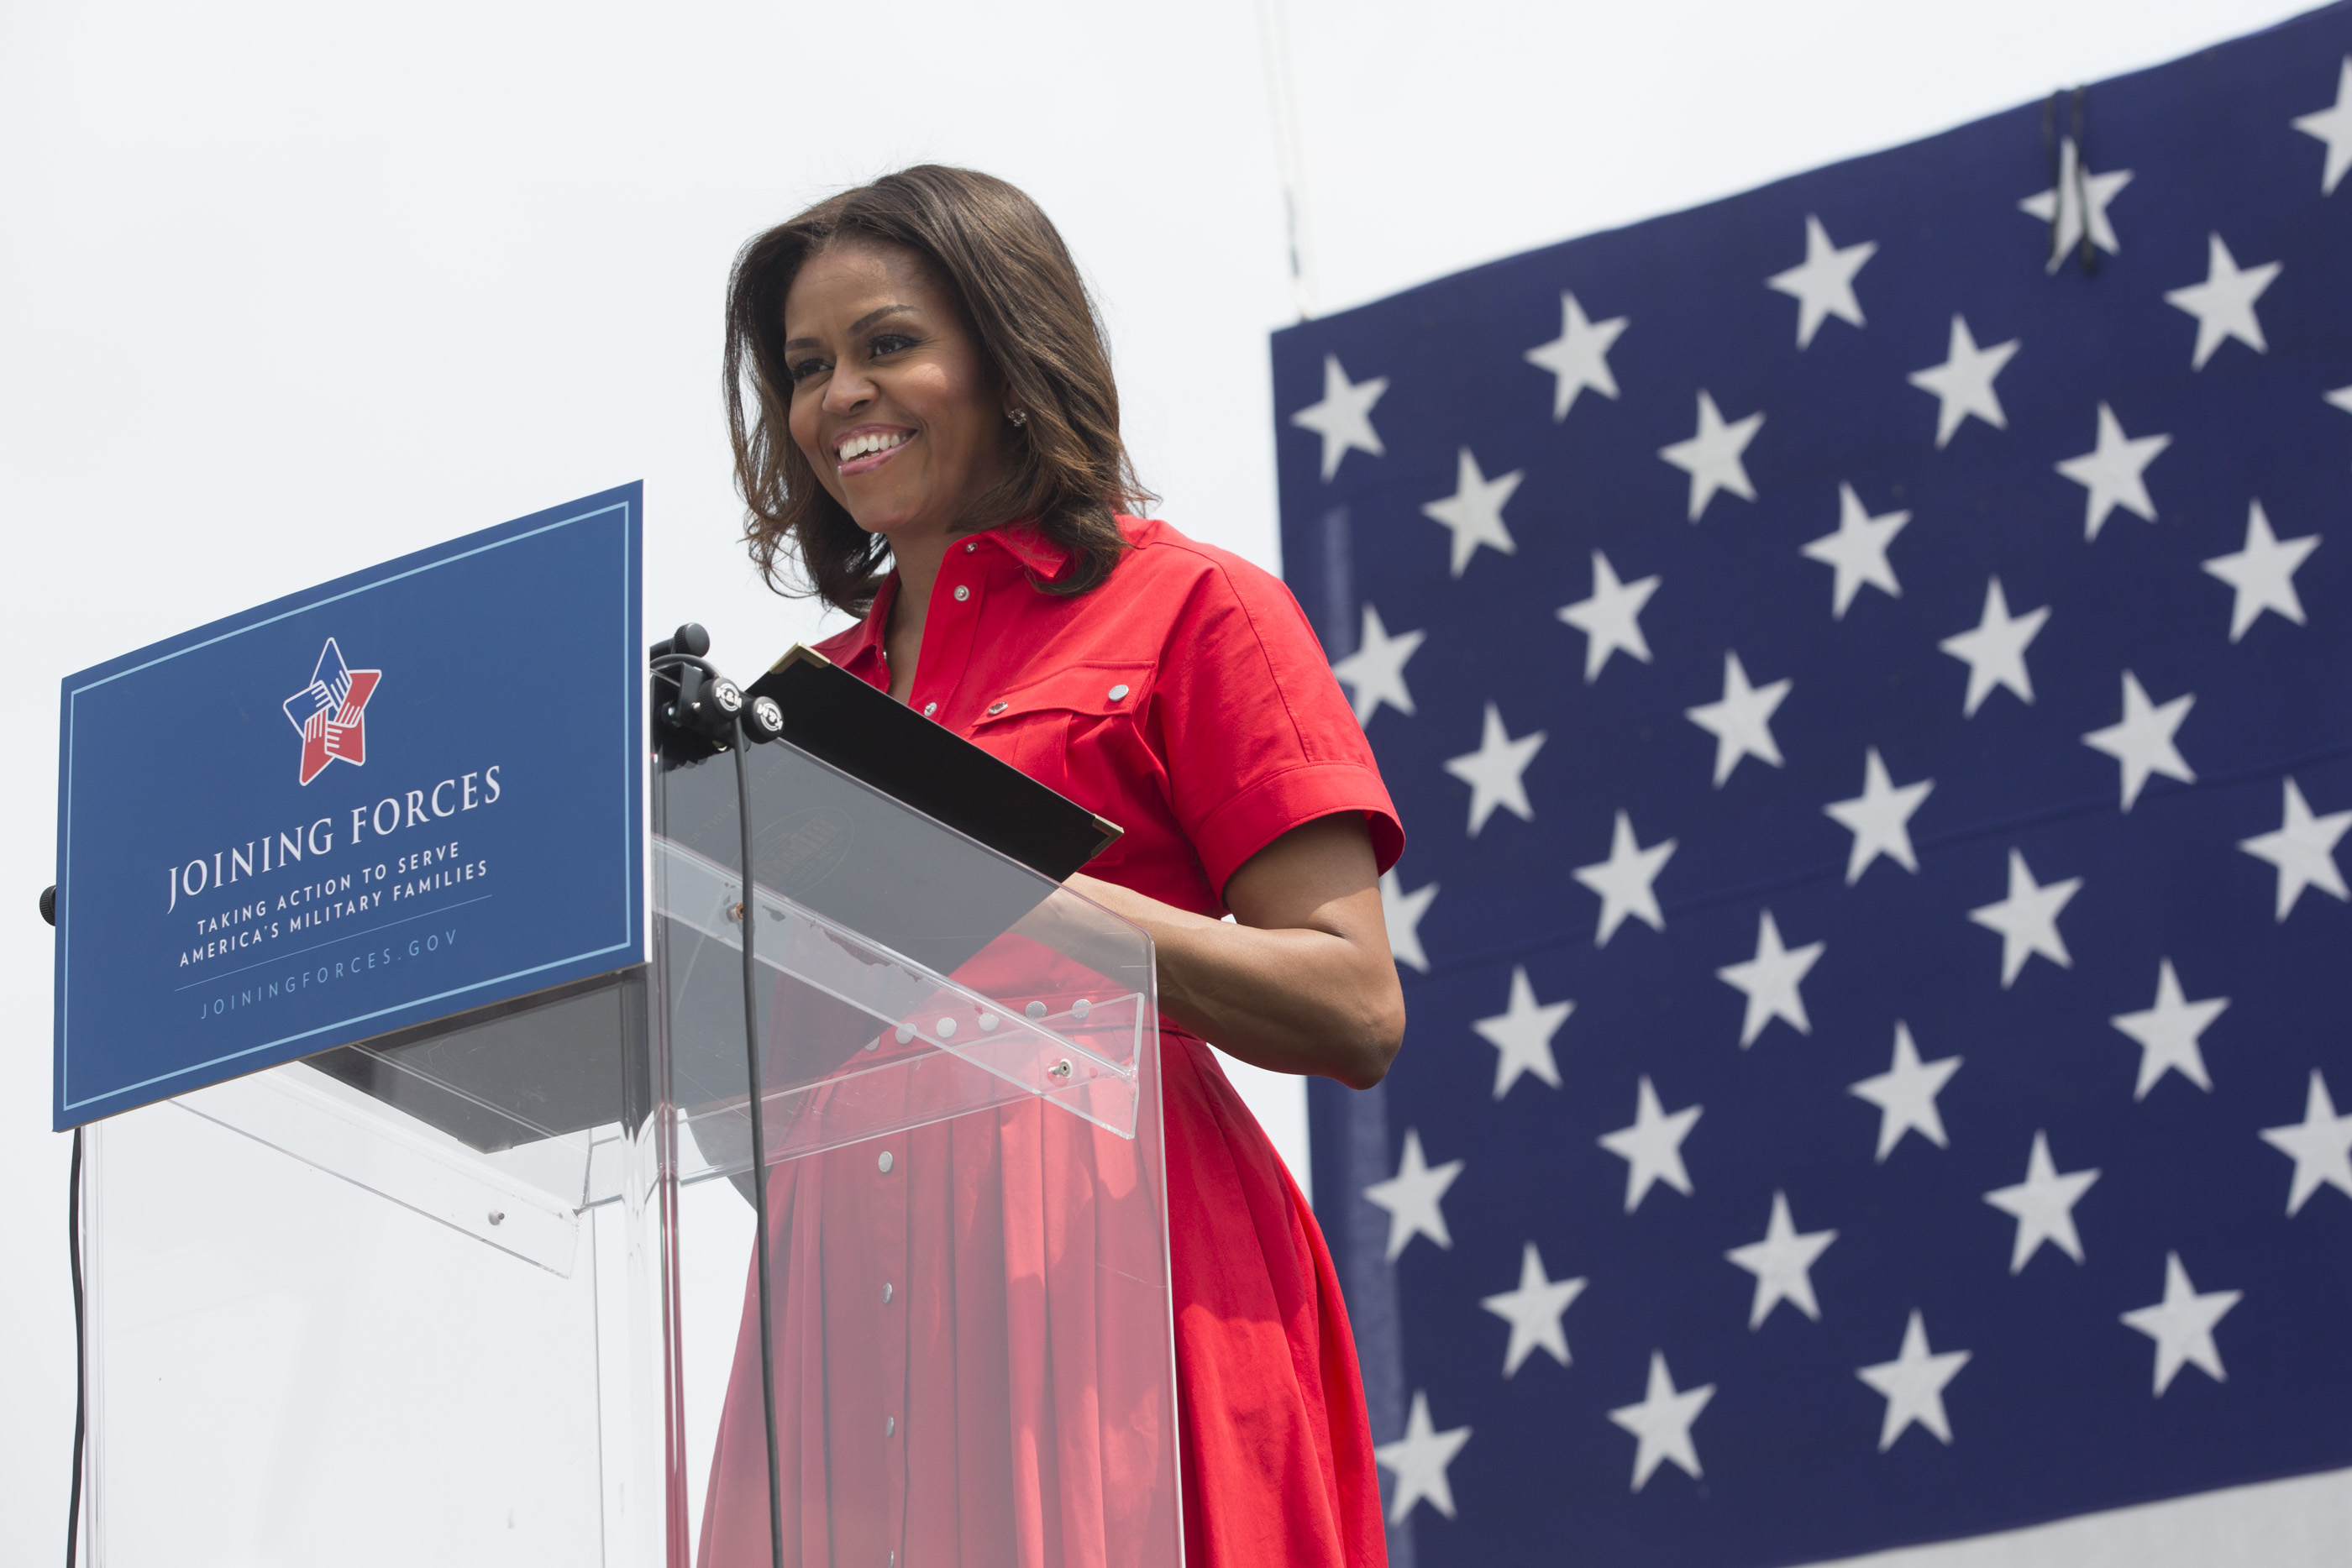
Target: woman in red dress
<point>926,427</point>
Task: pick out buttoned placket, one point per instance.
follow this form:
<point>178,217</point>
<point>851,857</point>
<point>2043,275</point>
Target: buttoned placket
<point>957,596</point>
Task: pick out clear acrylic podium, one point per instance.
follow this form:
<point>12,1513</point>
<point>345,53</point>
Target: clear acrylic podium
<point>481,1292</point>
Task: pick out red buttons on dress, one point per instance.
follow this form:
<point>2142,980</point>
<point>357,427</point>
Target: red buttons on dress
<point>1118,694</point>
<point>885,1162</point>
<point>997,707</point>
<point>962,593</point>
<point>929,708</point>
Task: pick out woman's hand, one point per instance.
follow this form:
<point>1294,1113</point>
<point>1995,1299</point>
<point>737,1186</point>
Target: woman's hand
<point>1302,981</point>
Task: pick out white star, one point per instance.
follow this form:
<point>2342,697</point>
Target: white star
<point>1376,669</point>
<point>1418,1459</point>
<point>2304,849</point>
<point>1344,418</point>
<point>1822,285</point>
<point>1493,772</point>
<point>1857,551</point>
<point>2333,125</point>
<point>1905,1095</point>
<point>1879,819</point>
<point>1579,357</point>
<point>1522,1035</point>
<point>2168,1032</point>
<point>2262,574</point>
<point>2028,919</point>
<point>2077,198</point>
<point>1963,383</point>
<point>1995,651</point>
<point>2043,1205</point>
<point>1769,980</point>
<point>1610,619</point>
<point>1475,511</point>
<point>2341,398</point>
<point>1711,457</point>
<point>2225,303</point>
<point>1661,1422</point>
<point>2320,1145</point>
<point>1624,881</point>
<point>2111,473</point>
<point>1534,1310</point>
<point>1412,1197</point>
<point>1741,720</point>
<point>2142,741</point>
<point>1782,1263</point>
<point>1402,912</point>
<point>2182,1325</point>
<point>1914,1384</point>
<point>1651,1147</point>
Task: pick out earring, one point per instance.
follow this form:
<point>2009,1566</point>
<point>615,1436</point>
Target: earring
<point>1019,416</point>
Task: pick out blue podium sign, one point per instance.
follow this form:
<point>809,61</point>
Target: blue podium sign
<point>412,791</point>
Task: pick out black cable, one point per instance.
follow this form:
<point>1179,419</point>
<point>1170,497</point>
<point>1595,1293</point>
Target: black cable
<point>82,1347</point>
<point>759,1148</point>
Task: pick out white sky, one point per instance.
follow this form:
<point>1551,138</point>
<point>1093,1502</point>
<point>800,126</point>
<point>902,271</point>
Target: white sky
<point>286,290</point>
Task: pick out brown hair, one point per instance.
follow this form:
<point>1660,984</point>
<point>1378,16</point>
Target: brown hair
<point>1027,306</point>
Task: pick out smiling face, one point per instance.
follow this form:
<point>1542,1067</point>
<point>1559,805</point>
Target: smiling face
<point>893,402</point>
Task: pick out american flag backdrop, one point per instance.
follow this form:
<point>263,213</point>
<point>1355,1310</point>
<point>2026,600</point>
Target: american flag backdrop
<point>1866,670</point>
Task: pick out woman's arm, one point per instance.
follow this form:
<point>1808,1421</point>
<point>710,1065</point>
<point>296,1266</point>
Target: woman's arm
<point>1304,982</point>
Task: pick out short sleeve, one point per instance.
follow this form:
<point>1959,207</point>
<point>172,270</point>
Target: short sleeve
<point>1259,738</point>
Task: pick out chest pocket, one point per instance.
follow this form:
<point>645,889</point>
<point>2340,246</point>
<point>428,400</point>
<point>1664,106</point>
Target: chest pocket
<point>1077,730</point>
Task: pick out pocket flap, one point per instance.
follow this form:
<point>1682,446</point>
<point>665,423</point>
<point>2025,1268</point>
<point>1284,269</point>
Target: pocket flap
<point>1099,689</point>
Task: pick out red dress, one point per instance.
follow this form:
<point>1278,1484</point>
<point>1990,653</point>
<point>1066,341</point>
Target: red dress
<point>1187,700</point>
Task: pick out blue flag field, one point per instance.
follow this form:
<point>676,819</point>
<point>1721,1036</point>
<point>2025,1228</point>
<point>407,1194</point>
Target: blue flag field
<point>1866,669</point>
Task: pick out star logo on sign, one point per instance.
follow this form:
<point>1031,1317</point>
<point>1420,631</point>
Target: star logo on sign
<point>1782,1263</point>
<point>2169,1032</point>
<point>1522,1035</point>
<point>1962,384</point>
<point>1375,670</point>
<point>1995,651</point>
<point>1534,1311</point>
<point>1418,1460</point>
<point>1822,284</point>
<point>1403,912</point>
<point>1711,457</point>
<point>2076,203</point>
<point>1741,719</point>
<point>1661,1422</point>
<point>1905,1094</point>
<point>2143,741</point>
<point>2320,1145</point>
<point>2043,1205</point>
<point>2028,919</point>
<point>2225,303</point>
<point>1579,357</point>
<point>2111,471</point>
<point>1913,1385</point>
<point>1610,619</point>
<point>2262,574</point>
<point>1651,1147</point>
<point>331,713</point>
<point>1857,551</point>
<point>1412,1197</point>
<point>1626,880</point>
<point>2304,849</point>
<point>1474,512</point>
<point>1344,418</point>
<point>2182,1325</point>
<point>1879,819</point>
<point>2333,125</point>
<point>1769,982</point>
<point>1493,771</point>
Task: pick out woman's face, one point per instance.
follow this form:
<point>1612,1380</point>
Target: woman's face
<point>892,400</point>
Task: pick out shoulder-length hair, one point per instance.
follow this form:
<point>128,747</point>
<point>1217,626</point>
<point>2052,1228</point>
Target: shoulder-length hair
<point>1024,302</point>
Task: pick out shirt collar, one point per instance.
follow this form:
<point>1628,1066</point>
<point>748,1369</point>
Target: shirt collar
<point>1026,543</point>
<point>1021,538</point>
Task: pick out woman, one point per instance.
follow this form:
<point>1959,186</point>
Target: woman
<point>931,437</point>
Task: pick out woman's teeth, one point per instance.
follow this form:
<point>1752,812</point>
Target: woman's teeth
<point>859,446</point>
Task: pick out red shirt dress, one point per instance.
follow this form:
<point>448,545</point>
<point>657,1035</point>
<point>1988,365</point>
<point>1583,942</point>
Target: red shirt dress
<point>1187,700</point>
